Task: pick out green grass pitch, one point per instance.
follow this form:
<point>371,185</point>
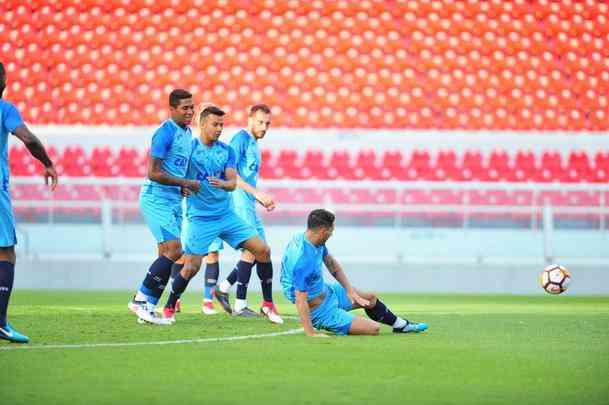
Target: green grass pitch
<point>478,350</point>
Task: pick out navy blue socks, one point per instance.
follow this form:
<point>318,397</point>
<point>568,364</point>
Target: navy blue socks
<point>265,273</point>
<point>381,313</point>
<point>232,277</point>
<point>244,272</point>
<point>212,272</point>
<point>156,279</point>
<point>175,269</point>
<point>177,288</point>
<point>7,275</point>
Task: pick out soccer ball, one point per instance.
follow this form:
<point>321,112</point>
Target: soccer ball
<point>555,279</point>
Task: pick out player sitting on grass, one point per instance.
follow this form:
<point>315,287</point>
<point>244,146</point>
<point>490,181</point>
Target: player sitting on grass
<point>325,305</point>
<point>209,212</point>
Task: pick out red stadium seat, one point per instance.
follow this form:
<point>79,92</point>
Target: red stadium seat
<point>577,166</point>
<point>472,166</point>
<point>392,165</point>
<point>412,47</point>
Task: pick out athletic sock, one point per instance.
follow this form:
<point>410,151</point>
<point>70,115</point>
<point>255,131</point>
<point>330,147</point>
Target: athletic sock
<point>175,269</point>
<point>244,273</point>
<point>212,271</point>
<point>240,304</point>
<point>381,313</point>
<point>232,277</point>
<point>399,323</point>
<point>140,296</point>
<point>265,273</point>
<point>7,276</point>
<point>177,288</point>
<point>224,286</point>
<point>156,279</point>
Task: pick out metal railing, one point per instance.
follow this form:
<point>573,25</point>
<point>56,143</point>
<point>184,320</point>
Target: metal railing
<point>541,214</point>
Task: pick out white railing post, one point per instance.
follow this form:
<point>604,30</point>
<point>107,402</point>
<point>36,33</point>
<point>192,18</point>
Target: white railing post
<point>548,230</point>
<point>534,210</point>
<point>25,240</point>
<point>106,223</point>
<point>466,209</point>
<point>602,213</point>
<point>399,228</point>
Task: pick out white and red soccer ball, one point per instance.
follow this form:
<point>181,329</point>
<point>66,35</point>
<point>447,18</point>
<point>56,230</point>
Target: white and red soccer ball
<point>555,279</point>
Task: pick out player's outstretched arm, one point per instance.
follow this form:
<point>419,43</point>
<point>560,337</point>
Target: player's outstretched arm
<point>156,173</point>
<point>229,184</point>
<point>338,273</point>
<point>305,316</point>
<point>33,144</point>
<point>265,199</point>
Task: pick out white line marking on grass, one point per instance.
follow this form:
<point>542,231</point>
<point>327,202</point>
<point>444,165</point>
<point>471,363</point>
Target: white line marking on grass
<point>158,343</point>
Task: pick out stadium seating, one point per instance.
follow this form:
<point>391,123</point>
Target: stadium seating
<point>495,166</point>
<point>517,65</point>
<point>498,165</point>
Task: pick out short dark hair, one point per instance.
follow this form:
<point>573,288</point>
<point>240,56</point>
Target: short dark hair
<point>2,79</point>
<point>260,107</point>
<point>176,95</point>
<point>320,218</point>
<point>210,110</point>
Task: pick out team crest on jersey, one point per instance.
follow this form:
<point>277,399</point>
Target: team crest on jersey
<point>220,156</point>
<point>312,278</point>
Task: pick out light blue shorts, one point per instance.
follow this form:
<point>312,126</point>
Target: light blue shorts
<point>163,215</point>
<point>216,245</point>
<point>7,220</point>
<point>201,232</point>
<point>332,315</point>
<point>250,217</point>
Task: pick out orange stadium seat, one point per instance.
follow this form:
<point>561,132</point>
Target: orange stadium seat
<point>122,45</point>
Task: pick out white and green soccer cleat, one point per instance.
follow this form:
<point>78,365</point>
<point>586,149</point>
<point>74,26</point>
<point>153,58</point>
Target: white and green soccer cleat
<point>145,316</point>
<point>412,327</point>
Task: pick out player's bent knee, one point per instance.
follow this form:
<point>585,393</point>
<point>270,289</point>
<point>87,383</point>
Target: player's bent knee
<point>171,249</point>
<point>174,256</point>
<point>189,272</point>
<point>7,254</point>
<point>266,250</point>
<point>212,257</point>
<point>247,256</point>
<point>263,253</point>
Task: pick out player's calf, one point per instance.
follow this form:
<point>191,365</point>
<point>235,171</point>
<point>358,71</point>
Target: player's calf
<point>192,264</point>
<point>264,268</point>
<point>363,326</point>
<point>380,313</point>
<point>259,248</point>
<point>212,272</point>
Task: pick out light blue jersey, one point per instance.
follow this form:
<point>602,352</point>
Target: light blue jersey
<point>248,158</point>
<point>160,204</point>
<point>301,271</point>
<point>10,120</point>
<point>206,161</point>
<point>247,164</point>
<point>301,268</point>
<point>172,144</point>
